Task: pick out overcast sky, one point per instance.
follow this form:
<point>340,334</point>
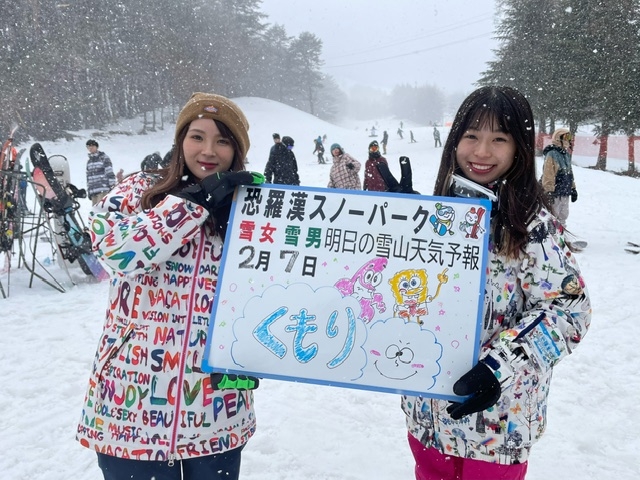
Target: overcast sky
<point>381,43</point>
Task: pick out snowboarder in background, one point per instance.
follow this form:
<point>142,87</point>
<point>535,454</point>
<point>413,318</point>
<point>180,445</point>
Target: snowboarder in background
<point>319,149</point>
<point>344,170</point>
<point>100,175</point>
<point>374,132</point>
<point>557,174</point>
<point>436,137</point>
<point>373,180</point>
<point>385,139</point>
<point>400,133</point>
<point>413,140</point>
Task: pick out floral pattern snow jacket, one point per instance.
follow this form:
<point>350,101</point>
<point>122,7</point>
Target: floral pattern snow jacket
<point>536,311</point>
<point>147,397</point>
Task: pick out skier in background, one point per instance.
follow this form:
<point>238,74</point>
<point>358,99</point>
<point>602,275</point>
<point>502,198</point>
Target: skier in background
<point>319,149</point>
<point>436,137</point>
<point>383,142</point>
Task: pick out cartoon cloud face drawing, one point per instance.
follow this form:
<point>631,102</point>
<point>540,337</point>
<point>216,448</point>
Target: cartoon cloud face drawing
<point>399,351</point>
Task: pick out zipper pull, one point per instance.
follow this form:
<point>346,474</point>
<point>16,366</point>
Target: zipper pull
<point>172,459</point>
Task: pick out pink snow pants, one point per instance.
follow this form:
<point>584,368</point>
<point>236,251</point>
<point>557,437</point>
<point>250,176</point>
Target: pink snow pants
<point>433,465</point>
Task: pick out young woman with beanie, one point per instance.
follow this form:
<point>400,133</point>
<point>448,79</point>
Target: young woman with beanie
<point>372,179</point>
<point>344,170</point>
<point>536,306</point>
<point>149,410</point>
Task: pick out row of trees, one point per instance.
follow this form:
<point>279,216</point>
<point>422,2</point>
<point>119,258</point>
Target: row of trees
<point>423,104</point>
<point>577,61</point>
<point>83,64</point>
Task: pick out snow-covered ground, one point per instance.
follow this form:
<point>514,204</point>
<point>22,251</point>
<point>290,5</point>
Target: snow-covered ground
<point>48,339</point>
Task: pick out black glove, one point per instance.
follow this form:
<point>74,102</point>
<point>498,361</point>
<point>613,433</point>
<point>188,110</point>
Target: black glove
<point>482,386</point>
<point>215,192</point>
<point>350,166</point>
<point>227,381</point>
<point>574,195</point>
<point>406,179</point>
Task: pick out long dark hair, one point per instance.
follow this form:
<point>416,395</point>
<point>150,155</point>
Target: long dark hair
<point>171,178</point>
<point>520,195</point>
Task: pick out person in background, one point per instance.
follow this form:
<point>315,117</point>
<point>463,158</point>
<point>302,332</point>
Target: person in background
<point>120,175</point>
<point>557,174</point>
<point>436,137</point>
<point>413,140</point>
<point>319,149</point>
<point>344,170</point>
<point>400,133</point>
<point>373,181</point>
<point>151,162</point>
<point>276,141</point>
<point>536,306</point>
<point>383,142</point>
<point>184,424</point>
<point>100,175</point>
<point>282,166</point>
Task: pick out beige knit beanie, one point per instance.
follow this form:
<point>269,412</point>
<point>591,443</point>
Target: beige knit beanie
<point>216,107</point>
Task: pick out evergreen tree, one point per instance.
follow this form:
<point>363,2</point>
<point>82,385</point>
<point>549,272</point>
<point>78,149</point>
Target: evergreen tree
<point>305,78</point>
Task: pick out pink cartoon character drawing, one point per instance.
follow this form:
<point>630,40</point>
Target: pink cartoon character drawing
<point>362,286</point>
<point>471,224</point>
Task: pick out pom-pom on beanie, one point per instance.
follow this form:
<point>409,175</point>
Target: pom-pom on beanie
<point>216,107</point>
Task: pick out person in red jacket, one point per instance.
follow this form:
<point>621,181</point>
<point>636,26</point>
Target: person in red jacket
<point>373,181</point>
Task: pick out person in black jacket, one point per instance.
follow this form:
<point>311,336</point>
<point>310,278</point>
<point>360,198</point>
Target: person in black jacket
<point>282,166</point>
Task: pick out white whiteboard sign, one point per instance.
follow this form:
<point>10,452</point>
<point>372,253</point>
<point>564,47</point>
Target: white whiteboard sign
<point>356,289</point>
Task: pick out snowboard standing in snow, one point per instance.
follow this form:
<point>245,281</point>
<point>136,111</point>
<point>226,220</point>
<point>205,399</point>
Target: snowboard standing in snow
<point>58,199</point>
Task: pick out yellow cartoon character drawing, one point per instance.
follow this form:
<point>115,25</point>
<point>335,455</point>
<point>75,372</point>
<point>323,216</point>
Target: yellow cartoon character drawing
<point>410,290</point>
